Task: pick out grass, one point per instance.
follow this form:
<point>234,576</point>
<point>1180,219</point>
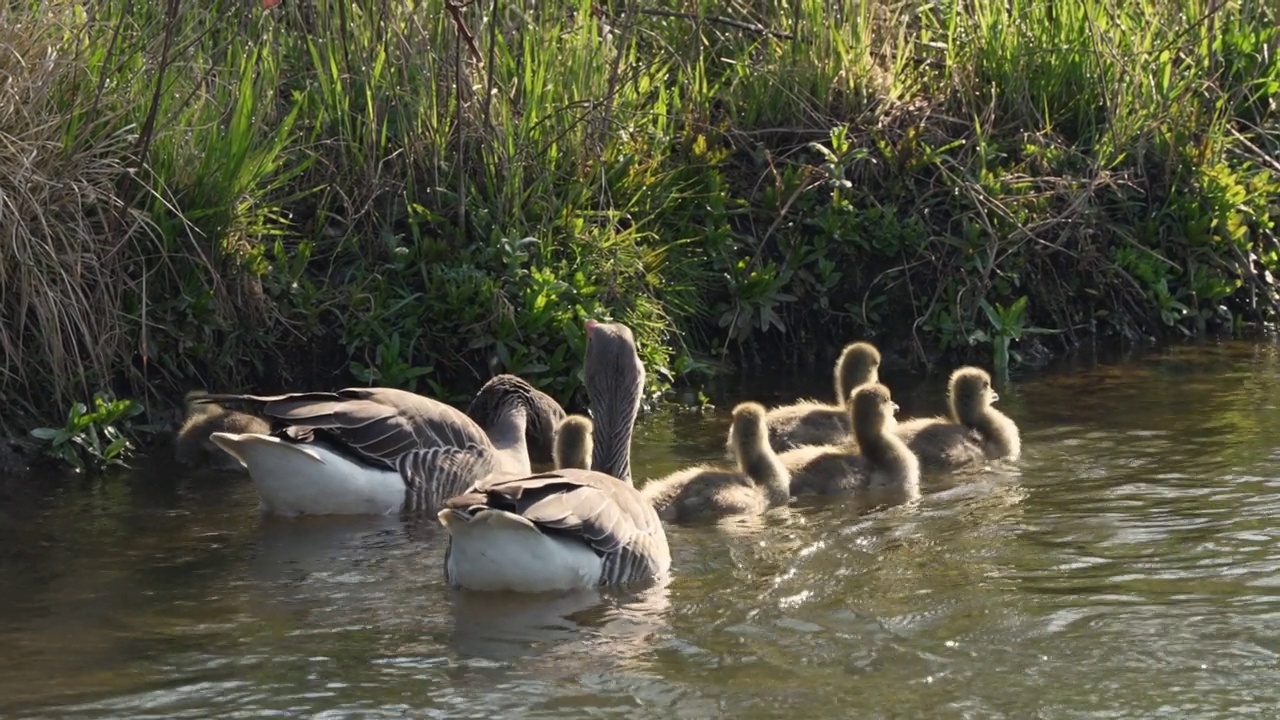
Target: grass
<point>423,193</point>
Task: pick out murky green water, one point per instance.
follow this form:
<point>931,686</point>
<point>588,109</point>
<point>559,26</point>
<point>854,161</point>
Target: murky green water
<point>1128,566</point>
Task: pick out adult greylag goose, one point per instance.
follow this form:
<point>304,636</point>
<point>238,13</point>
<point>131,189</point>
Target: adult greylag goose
<point>373,451</point>
<point>489,407</point>
<point>810,422</point>
<point>573,443</point>
<point>879,469</point>
<point>760,481</point>
<point>192,446</point>
<point>974,433</point>
<point>571,528</point>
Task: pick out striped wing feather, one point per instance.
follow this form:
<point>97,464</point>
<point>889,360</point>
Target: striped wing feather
<point>605,512</point>
<point>381,424</point>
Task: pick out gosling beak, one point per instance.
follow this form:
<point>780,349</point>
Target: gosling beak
<point>894,405</point>
<point>994,396</point>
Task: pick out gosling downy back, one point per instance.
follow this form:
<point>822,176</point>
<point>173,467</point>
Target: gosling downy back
<point>974,433</point>
<point>878,468</point>
<point>701,493</point>
<point>810,422</point>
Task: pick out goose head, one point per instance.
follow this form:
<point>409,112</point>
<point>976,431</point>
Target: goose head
<point>573,443</point>
<point>859,364</point>
<point>873,411</point>
<point>614,381</point>
<point>970,394</point>
<point>507,405</point>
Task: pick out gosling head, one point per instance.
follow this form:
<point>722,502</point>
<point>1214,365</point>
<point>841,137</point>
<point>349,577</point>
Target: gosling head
<point>859,364</point>
<point>873,410</point>
<point>573,443</point>
<point>749,431</point>
<point>970,394</point>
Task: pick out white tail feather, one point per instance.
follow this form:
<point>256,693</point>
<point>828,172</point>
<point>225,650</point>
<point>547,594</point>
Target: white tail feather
<point>296,479</point>
<point>498,550</point>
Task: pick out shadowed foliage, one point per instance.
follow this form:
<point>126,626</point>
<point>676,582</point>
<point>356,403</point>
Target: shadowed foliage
<point>420,194</point>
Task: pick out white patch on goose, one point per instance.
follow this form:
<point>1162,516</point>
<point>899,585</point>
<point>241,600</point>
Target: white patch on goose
<point>310,479</point>
<point>498,550</point>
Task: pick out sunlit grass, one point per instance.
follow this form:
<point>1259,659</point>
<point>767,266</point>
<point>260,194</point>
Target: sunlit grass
<point>207,194</point>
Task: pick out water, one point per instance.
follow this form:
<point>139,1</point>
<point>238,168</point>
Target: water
<point>1127,566</point>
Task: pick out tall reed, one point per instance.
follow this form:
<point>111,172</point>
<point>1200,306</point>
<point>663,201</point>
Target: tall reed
<point>422,193</point>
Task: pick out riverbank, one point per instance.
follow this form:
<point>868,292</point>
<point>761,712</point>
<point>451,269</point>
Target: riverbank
<point>421,195</point>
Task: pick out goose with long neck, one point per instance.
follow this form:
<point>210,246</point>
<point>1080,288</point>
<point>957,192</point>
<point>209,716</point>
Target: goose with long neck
<point>374,451</point>
<point>812,422</point>
<point>573,443</point>
<point>760,481</point>
<point>974,433</point>
<point>570,528</point>
<point>489,409</point>
<point>878,468</point>
<point>192,446</point>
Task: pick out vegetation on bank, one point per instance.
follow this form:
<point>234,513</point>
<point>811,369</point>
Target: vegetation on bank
<point>423,193</point>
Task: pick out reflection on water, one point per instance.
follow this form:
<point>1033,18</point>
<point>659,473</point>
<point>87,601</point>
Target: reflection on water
<point>1127,566</point>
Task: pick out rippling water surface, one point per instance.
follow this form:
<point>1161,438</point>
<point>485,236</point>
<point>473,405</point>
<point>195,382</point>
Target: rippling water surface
<point>1127,566</point>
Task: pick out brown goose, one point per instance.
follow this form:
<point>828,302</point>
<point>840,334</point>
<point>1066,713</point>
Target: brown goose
<point>489,408</point>
<point>760,482</point>
<point>571,528</point>
<point>573,443</point>
<point>361,451</point>
<point>192,446</point>
<point>810,422</point>
<point>973,434</point>
<point>880,469</point>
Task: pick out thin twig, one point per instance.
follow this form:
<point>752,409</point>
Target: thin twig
<point>455,10</point>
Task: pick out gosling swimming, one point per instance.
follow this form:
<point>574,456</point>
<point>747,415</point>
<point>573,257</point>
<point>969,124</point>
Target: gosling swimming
<point>701,493</point>
<point>810,422</point>
<point>879,468</point>
<point>974,433</point>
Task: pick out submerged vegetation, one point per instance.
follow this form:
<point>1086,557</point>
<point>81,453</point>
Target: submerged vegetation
<point>423,193</point>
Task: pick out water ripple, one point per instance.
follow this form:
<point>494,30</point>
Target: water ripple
<point>1127,566</point>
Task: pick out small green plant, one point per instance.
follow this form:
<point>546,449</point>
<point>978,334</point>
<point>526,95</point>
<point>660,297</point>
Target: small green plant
<point>1007,325</point>
<point>93,438</point>
<point>757,299</point>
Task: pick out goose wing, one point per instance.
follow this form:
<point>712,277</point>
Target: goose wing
<point>607,514</point>
<point>432,475</point>
<point>379,424</point>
